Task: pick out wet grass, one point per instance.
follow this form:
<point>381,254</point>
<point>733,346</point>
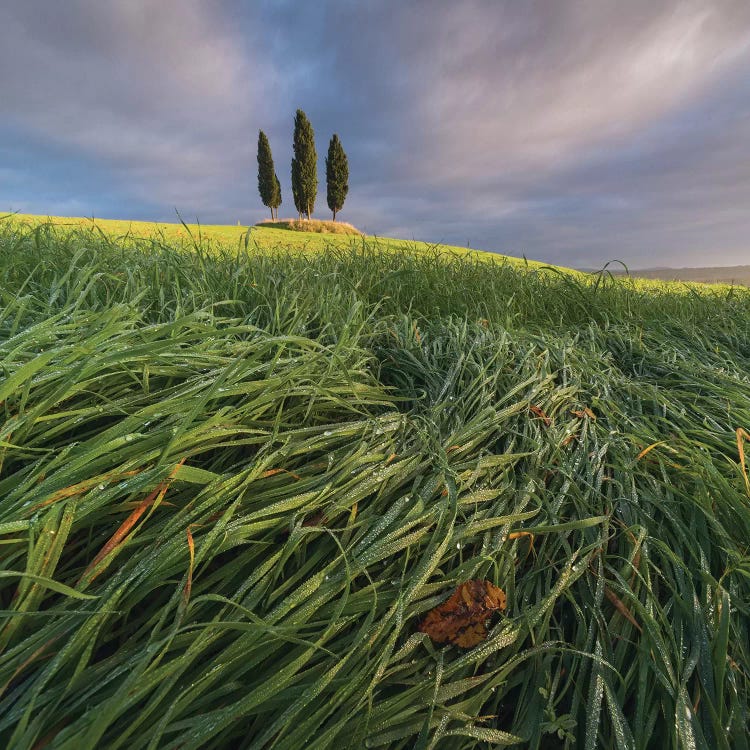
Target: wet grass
<point>233,482</point>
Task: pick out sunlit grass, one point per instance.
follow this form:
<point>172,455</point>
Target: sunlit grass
<point>233,482</point>
<point>259,237</point>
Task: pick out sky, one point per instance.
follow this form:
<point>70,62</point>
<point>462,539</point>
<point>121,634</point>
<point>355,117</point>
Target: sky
<point>571,131</point>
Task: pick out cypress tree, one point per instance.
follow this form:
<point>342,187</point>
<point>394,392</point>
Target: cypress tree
<point>266,175</point>
<point>304,165</point>
<point>295,189</point>
<point>276,196</point>
<point>337,175</point>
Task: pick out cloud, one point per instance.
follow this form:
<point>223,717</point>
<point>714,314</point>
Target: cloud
<point>574,132</point>
<point>532,90</point>
<point>157,91</point>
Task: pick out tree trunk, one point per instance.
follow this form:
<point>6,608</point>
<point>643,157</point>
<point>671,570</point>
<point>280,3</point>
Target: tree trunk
<point>334,214</point>
<point>271,207</point>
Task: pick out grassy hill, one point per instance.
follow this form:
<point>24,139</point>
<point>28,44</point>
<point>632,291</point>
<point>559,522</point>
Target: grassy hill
<point>709,274</point>
<point>234,484</point>
<point>258,236</point>
<point>269,239</point>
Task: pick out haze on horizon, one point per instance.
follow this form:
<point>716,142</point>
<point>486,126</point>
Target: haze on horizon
<point>573,132</point>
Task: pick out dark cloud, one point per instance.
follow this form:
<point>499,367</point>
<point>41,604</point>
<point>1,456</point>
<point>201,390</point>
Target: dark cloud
<point>574,132</point>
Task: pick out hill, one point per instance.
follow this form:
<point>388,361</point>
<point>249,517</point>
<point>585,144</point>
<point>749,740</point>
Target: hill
<point>708,274</point>
<point>271,239</point>
<point>367,496</point>
<point>259,236</point>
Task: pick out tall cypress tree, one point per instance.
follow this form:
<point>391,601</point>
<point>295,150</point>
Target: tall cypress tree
<point>296,189</point>
<point>276,196</point>
<point>337,175</point>
<point>266,175</point>
<point>304,165</point>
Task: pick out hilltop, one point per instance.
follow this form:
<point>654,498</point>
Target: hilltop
<point>310,225</point>
<point>263,237</point>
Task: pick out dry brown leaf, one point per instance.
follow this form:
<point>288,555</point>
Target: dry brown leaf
<point>122,532</point>
<point>581,413</point>
<point>621,608</point>
<point>743,435</point>
<point>189,581</point>
<point>648,450</point>
<point>462,619</point>
<point>521,534</point>
<point>537,411</point>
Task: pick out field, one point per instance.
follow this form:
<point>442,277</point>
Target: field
<point>235,478</point>
<point>266,239</point>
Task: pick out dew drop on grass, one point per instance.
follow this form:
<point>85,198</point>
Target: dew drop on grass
<point>128,438</point>
<point>101,487</point>
<point>327,433</point>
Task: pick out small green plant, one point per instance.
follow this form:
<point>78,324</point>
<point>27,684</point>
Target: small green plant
<point>563,726</point>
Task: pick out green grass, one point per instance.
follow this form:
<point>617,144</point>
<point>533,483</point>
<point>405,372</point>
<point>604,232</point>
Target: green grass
<point>260,238</point>
<point>175,422</point>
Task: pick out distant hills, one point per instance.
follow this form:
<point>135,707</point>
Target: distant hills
<point>709,274</point>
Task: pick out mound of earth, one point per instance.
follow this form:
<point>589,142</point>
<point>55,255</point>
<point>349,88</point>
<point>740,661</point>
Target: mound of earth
<point>310,225</point>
